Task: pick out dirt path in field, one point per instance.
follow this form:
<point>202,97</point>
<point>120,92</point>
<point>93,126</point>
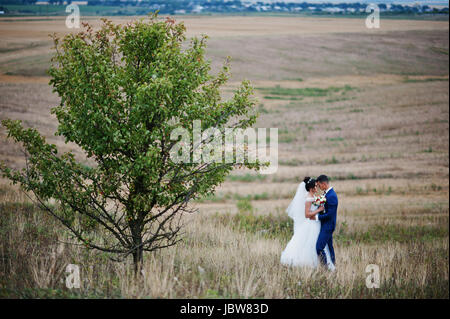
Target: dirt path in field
<point>352,80</point>
<point>319,82</point>
<point>4,78</point>
<point>39,28</point>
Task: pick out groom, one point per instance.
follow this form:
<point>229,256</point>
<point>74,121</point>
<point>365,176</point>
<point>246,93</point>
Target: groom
<point>327,220</point>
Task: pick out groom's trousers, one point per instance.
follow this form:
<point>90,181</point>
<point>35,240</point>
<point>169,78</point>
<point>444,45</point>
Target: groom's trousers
<point>325,238</point>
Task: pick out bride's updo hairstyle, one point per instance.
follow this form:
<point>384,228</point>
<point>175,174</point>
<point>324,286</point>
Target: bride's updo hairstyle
<point>309,183</point>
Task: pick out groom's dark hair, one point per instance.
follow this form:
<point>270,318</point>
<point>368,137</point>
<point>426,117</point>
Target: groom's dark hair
<point>322,179</point>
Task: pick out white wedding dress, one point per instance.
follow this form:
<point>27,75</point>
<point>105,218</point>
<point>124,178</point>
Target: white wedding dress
<point>301,249</point>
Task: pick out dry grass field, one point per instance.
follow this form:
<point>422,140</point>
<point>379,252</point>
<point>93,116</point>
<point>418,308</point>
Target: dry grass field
<point>369,108</point>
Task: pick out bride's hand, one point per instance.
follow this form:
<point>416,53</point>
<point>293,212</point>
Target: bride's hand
<point>320,209</point>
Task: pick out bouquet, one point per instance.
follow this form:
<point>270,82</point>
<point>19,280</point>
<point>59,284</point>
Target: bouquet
<point>319,200</point>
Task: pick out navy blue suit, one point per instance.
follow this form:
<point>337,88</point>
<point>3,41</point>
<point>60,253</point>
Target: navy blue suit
<point>328,224</point>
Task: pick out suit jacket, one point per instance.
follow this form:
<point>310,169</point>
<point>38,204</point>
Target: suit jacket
<point>328,217</point>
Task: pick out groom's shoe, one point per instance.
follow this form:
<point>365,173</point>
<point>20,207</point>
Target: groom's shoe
<point>331,267</point>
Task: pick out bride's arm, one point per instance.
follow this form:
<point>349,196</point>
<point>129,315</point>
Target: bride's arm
<point>309,214</point>
<point>307,208</point>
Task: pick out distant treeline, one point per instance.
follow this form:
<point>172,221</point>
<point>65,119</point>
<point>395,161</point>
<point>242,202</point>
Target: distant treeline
<point>130,7</point>
<point>25,2</point>
<point>198,6</point>
<point>18,2</point>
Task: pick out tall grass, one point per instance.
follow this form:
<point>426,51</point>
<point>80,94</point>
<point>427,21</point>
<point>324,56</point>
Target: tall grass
<point>223,255</point>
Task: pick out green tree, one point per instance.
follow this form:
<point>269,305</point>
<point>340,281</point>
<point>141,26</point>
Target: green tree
<point>123,90</point>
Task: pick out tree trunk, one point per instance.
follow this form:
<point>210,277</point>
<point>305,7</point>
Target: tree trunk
<point>138,256</point>
<point>137,260</point>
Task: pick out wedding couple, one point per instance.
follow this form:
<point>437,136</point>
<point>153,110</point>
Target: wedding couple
<point>314,224</point>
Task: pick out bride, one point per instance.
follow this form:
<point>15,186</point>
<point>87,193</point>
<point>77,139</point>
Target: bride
<point>301,249</point>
